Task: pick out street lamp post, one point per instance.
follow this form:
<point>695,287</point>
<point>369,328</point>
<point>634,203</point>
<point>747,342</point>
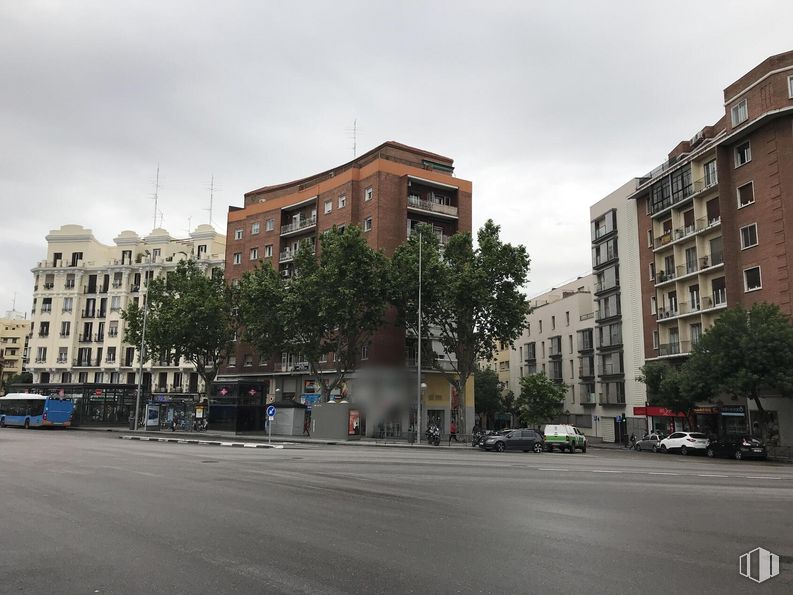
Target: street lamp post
<point>418,358</point>
<point>142,355</point>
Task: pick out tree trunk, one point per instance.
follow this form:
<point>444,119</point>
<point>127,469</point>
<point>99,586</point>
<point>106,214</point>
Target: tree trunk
<point>461,383</point>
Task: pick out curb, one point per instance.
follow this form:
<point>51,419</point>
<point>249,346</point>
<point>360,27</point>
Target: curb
<point>201,442</point>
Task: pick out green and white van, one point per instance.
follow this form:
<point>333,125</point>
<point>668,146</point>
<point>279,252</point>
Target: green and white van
<point>564,437</point>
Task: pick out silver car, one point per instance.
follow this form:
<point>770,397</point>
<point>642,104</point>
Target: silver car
<point>649,442</point>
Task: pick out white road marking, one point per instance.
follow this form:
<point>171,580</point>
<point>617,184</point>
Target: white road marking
<point>710,475</point>
<point>550,469</point>
<point>602,471</point>
<point>661,473</point>
<point>760,477</point>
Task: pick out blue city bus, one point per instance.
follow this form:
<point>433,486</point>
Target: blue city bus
<point>35,411</point>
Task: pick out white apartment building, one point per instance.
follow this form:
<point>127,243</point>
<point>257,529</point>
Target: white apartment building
<point>618,332</point>
<point>14,330</point>
<point>558,341</point>
<point>79,292</point>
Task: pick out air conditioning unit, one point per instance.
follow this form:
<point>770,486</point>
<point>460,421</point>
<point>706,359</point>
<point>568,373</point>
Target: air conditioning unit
<point>285,273</point>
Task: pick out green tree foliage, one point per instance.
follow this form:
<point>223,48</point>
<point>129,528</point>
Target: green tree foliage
<point>333,304</point>
<point>487,393</point>
<point>673,388</point>
<point>190,314</point>
<point>540,400</point>
<point>746,351</point>
<point>471,297</point>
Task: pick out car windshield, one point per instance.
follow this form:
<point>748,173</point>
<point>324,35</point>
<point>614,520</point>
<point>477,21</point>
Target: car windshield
<point>698,435</point>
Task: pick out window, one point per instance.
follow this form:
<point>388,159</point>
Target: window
<point>740,113</point>
<point>567,319</point>
<point>749,236</point>
<point>710,173</point>
<point>653,305</point>
<point>540,326</point>
<point>41,355</point>
<point>254,228</point>
<point>232,361</point>
<point>268,250</point>
<point>652,271</point>
<point>111,355</point>
<point>44,329</point>
<point>367,224</point>
<point>115,303</point>
<point>368,194</point>
<point>328,206</point>
<point>365,351</point>
<point>237,234</point>
<point>254,253</point>
<point>248,360</point>
<point>553,322</point>
<point>655,339</point>
<point>342,201</point>
<point>112,330</point>
<point>751,279</point>
<point>746,195</point>
<point>202,249</point>
<point>66,328</point>
<point>68,304</point>
<point>237,257</point>
<point>156,252</point>
<point>743,154</point>
<point>269,225</point>
<point>649,238</point>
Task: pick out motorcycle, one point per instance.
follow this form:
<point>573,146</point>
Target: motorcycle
<point>477,439</point>
<point>434,436</point>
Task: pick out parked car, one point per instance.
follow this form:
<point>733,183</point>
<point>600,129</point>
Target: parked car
<point>564,437</point>
<point>684,443</point>
<point>649,442</point>
<point>523,439</point>
<point>737,447</point>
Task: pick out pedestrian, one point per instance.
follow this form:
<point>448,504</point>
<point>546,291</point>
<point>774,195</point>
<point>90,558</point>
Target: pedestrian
<point>632,441</point>
<point>453,432</point>
<point>307,427</point>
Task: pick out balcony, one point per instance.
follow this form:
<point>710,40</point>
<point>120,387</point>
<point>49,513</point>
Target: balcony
<point>112,333</point>
<point>607,399</point>
<point>49,285</point>
<point>602,287</point>
<point>586,372</point>
<point>664,277</point>
<point>611,369</point>
<point>69,285</point>
<point>588,398</point>
<point>88,314</point>
<point>606,313</point>
<point>46,309</point>
<point>674,349</point>
<point>417,203</point>
<point>85,338</point>
<point>705,183</point>
<point>298,226</point>
<point>82,363</point>
<point>116,284</point>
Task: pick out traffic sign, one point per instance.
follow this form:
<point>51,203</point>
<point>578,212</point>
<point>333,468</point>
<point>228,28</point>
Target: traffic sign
<point>271,411</point>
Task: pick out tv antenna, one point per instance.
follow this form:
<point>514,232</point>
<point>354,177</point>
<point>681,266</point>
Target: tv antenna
<point>156,196</point>
<point>212,189</point>
<point>354,135</point>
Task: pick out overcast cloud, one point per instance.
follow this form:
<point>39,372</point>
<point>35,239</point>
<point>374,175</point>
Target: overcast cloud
<point>545,107</point>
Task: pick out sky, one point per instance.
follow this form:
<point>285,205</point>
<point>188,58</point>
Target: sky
<point>546,106</point>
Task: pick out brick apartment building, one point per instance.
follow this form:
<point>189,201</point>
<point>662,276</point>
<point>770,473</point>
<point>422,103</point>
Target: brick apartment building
<point>713,223</point>
<point>387,192</point>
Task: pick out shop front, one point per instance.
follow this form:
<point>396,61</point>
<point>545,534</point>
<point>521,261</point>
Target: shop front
<point>660,419</point>
<point>721,420</point>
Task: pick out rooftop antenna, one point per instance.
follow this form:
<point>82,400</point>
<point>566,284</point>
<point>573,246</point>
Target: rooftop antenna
<point>14,302</point>
<point>162,215</point>
<point>156,196</point>
<point>354,132</point>
<point>189,225</point>
<point>211,198</point>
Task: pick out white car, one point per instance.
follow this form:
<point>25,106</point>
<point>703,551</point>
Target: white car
<point>684,442</point>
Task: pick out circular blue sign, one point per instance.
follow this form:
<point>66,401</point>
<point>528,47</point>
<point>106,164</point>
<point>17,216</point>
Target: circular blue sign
<point>271,410</point>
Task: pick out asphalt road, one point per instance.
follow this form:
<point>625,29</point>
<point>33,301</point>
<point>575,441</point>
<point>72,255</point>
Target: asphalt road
<point>83,512</point>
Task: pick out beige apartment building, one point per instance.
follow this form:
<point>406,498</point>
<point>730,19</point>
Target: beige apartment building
<point>79,292</point>
<point>14,330</point>
<point>559,340</point>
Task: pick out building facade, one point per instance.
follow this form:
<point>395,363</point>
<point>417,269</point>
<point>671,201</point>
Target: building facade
<point>618,334</point>
<point>386,192</point>
<point>713,222</point>
<point>80,290</point>
<point>14,331</point>
<point>559,341</point>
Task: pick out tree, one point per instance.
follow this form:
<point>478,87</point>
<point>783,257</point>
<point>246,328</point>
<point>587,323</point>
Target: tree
<point>487,393</point>
<point>746,351</point>
<point>540,400</point>
<point>190,315</point>
<point>334,303</point>
<point>471,297</point>
<point>674,388</point>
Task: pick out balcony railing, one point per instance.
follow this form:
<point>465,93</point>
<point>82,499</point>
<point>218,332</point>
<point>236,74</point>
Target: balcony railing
<point>588,398</point>
<point>604,286</point>
<point>298,225</point>
<point>612,399</point>
<point>671,349</point>
<point>705,183</point>
<point>606,313</point>
<point>610,369</point>
<point>586,372</point>
<point>417,202</point>
<point>85,338</point>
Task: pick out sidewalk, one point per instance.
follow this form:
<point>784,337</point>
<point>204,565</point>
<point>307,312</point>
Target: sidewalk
<point>227,436</point>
